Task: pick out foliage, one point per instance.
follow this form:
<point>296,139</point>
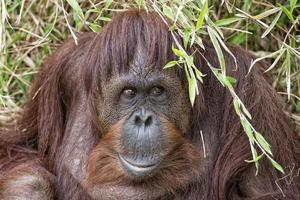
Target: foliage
<point>31,30</point>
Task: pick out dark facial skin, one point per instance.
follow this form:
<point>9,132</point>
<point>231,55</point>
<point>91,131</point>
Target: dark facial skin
<point>144,99</point>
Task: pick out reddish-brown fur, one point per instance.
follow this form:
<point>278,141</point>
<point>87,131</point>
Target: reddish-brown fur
<point>181,163</point>
<point>64,96</point>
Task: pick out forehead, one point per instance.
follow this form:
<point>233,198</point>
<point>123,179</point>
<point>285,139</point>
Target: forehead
<point>138,65</point>
<point>140,69</point>
<point>143,69</point>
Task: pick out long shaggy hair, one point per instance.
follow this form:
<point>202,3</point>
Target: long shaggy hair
<point>77,71</point>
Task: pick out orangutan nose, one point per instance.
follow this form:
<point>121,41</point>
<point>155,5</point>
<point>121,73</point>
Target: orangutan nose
<point>143,144</point>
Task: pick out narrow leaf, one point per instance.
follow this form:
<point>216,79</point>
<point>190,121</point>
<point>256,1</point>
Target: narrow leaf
<point>293,4</point>
<point>287,63</point>
<point>225,22</point>
<point>106,19</point>
<point>271,55</point>
<point>276,60</point>
<point>168,12</point>
<point>287,12</point>
<point>178,52</point>
<point>74,4</point>
<point>266,13</point>
<point>256,159</point>
<point>218,49</point>
<point>272,25</point>
<point>247,128</point>
<point>276,164</point>
<point>94,27</point>
<point>170,64</point>
<point>236,106</point>
<point>202,15</point>
<point>263,143</point>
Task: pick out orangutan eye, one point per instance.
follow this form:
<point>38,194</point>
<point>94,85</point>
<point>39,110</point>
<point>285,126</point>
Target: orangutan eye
<point>129,92</point>
<point>157,91</point>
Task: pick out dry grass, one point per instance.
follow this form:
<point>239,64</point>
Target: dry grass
<point>31,30</point>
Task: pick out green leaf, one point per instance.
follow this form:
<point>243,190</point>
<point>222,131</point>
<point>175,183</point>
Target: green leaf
<point>192,90</point>
<point>186,37</point>
<point>94,27</point>
<point>238,39</point>
<point>189,61</point>
<point>263,143</point>
<point>256,159</point>
<point>298,106</point>
<point>108,3</point>
<point>178,52</point>
<point>192,85</point>
<point>225,22</point>
<point>218,49</point>
<point>104,19</point>
<point>276,164</point>
<point>271,55</point>
<point>287,12</point>
<point>202,15</point>
<point>198,74</point>
<point>168,12</point>
<point>266,13</point>
<point>245,111</point>
<point>74,4</point>
<point>293,4</point>
<point>170,64</point>
<point>276,60</point>
<point>254,156</point>
<point>199,41</point>
<point>231,79</point>
<point>247,128</point>
<point>236,106</point>
<point>140,3</point>
<point>274,22</point>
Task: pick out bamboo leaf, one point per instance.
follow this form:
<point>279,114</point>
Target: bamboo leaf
<point>202,15</point>
<point>247,128</point>
<point>287,63</point>
<point>231,79</point>
<point>178,52</point>
<point>263,143</point>
<point>293,4</point>
<point>186,37</point>
<point>225,22</point>
<point>266,13</point>
<point>94,27</point>
<point>218,49</point>
<point>272,25</point>
<point>271,55</point>
<point>236,106</point>
<point>106,19</point>
<point>140,3</point>
<point>170,64</point>
<point>192,90</point>
<point>74,4</point>
<point>276,60</point>
<point>287,12</point>
<point>168,12</point>
<point>256,159</point>
<point>276,164</point>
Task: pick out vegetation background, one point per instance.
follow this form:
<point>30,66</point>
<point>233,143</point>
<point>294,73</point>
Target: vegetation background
<point>31,30</point>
